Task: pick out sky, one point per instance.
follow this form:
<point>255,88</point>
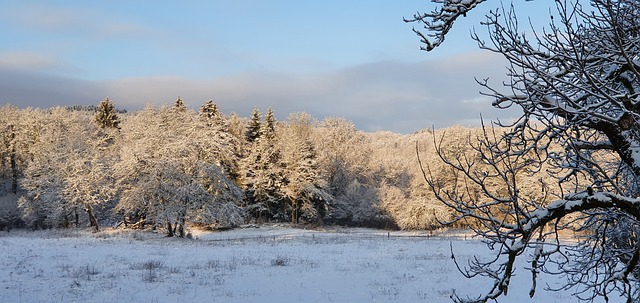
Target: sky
<point>332,58</point>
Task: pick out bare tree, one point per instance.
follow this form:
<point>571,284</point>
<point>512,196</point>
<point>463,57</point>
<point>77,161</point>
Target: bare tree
<point>577,84</point>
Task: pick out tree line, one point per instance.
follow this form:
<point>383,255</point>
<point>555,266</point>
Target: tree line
<point>168,167</point>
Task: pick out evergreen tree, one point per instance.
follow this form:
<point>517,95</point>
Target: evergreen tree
<point>263,180</point>
<point>179,105</point>
<point>106,115</point>
<point>268,129</point>
<point>211,114</point>
<point>305,186</point>
<point>263,172</point>
<point>253,130</point>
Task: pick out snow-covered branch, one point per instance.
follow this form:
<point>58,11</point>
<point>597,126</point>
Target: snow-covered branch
<point>577,85</point>
<point>439,22</point>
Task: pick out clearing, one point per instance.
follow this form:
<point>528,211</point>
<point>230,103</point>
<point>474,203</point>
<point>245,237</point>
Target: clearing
<point>266,264</point>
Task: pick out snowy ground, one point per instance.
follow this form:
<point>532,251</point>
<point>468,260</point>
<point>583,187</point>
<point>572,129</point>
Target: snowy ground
<point>271,264</point>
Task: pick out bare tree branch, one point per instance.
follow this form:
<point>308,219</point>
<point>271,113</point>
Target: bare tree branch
<point>438,22</point>
<point>577,85</point>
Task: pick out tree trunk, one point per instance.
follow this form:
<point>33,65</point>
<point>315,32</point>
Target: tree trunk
<point>76,217</point>
<point>295,213</point>
<point>14,172</point>
<point>65,221</point>
<point>169,229</point>
<point>13,163</point>
<point>180,223</point>
<point>92,218</point>
<point>181,229</point>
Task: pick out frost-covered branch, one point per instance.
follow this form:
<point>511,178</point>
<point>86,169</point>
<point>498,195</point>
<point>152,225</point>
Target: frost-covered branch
<point>438,22</point>
<point>577,85</point>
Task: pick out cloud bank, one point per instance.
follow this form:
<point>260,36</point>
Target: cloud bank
<point>388,95</point>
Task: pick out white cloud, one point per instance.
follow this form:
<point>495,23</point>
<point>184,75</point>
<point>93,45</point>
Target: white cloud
<point>401,97</point>
<point>395,96</point>
<point>30,61</point>
<point>90,23</point>
<point>34,89</point>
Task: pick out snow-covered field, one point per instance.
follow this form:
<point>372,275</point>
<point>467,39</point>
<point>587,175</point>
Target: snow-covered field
<point>267,264</point>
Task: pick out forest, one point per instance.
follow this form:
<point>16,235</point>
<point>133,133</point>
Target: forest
<point>171,168</point>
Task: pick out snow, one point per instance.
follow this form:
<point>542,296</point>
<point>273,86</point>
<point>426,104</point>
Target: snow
<point>635,154</point>
<point>569,205</point>
<point>553,205</point>
<point>272,264</point>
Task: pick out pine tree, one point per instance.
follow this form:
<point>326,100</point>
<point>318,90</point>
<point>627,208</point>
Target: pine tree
<point>211,114</point>
<point>305,185</point>
<point>253,130</point>
<point>179,105</point>
<point>261,169</point>
<point>268,129</point>
<point>262,179</point>
<point>106,115</point>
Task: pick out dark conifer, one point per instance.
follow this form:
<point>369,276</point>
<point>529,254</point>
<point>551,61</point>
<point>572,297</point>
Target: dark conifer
<point>179,105</point>
<point>253,130</point>
<point>106,114</point>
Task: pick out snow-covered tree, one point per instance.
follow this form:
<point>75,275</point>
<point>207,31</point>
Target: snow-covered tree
<point>262,173</point>
<point>179,105</point>
<point>68,172</point>
<point>268,128</point>
<point>211,114</point>
<point>9,171</point>
<point>20,131</point>
<point>576,83</point>
<point>236,126</point>
<point>305,184</point>
<point>253,129</point>
<point>17,138</point>
<point>173,172</point>
<point>345,155</point>
<point>106,115</point>
<point>262,170</point>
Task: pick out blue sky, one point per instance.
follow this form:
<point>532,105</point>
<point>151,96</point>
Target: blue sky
<point>353,59</point>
